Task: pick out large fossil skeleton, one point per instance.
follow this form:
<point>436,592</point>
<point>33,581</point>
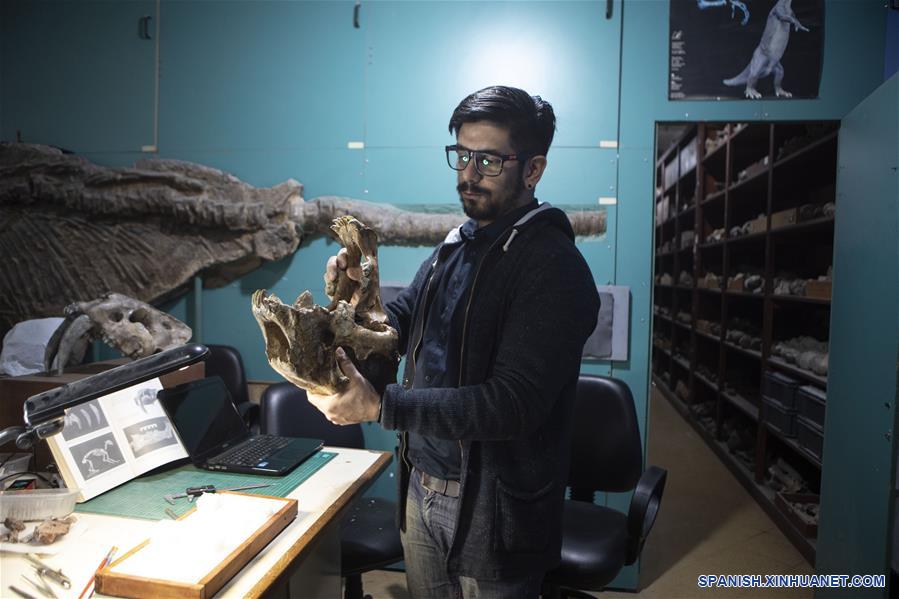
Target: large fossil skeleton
<point>300,340</point>
<point>72,231</point>
<point>135,328</point>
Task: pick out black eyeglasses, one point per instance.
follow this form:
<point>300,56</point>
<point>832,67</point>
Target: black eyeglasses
<point>489,165</point>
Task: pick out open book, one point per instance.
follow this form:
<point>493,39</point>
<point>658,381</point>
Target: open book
<point>114,438</point>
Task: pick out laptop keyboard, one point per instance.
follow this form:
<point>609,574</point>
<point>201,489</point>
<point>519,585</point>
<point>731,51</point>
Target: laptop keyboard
<point>250,453</point>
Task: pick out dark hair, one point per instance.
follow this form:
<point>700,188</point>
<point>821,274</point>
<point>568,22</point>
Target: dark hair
<point>530,119</point>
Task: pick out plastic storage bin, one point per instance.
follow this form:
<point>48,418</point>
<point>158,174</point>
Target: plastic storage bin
<point>37,504</point>
<point>779,417</point>
<point>812,404</point>
<point>811,437</point>
<point>781,388</point>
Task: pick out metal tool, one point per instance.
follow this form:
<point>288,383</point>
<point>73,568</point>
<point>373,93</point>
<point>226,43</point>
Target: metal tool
<point>45,571</point>
<point>21,593</point>
<point>193,492</point>
<point>43,588</point>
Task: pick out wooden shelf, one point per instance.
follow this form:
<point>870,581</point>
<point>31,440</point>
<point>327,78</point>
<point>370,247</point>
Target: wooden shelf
<point>744,294</point>
<point>752,237</point>
<point>793,444</point>
<point>800,299</point>
<point>754,180</point>
<point>772,188</point>
<point>742,404</point>
<point>743,350</point>
<point>707,335</point>
<point>799,372</point>
<point>716,290</point>
<point>803,153</point>
<point>763,495</point>
<point>681,362</point>
<point>682,325</point>
<point>705,381</point>
<point>718,195</point>
<point>802,227</point>
<point>713,245</point>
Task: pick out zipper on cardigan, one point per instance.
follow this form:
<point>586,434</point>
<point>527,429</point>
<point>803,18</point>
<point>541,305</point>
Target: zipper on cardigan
<point>420,332</point>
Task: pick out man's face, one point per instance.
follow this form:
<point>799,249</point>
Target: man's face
<point>487,198</point>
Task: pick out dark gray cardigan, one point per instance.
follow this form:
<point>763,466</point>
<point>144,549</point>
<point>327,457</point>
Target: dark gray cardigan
<point>533,305</point>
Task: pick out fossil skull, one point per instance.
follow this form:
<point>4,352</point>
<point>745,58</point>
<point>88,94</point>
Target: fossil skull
<point>135,328</point>
<point>300,340</point>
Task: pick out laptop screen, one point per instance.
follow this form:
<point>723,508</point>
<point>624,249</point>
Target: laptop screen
<point>204,416</point>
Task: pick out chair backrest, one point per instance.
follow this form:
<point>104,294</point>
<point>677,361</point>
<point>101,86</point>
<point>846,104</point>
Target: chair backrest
<point>286,411</point>
<point>225,361</point>
<point>606,451</point>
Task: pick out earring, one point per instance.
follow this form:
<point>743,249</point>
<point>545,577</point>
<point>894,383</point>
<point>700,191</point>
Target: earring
<point>529,186</point>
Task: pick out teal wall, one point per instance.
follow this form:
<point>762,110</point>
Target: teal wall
<point>857,487</point>
<point>272,90</point>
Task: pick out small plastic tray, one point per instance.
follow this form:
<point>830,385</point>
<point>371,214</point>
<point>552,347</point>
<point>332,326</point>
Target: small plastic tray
<point>37,504</point>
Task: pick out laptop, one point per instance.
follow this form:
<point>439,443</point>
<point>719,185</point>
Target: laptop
<point>217,438</point>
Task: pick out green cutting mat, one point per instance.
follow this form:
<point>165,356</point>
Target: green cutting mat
<point>143,497</point>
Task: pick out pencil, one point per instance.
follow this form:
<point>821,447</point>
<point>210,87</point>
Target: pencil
<point>102,565</point>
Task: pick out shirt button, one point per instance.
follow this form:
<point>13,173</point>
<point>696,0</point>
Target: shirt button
<point>428,378</point>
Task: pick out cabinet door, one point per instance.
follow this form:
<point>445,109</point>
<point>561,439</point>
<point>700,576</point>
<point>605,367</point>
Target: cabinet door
<point>262,76</point>
<point>82,74</point>
<point>424,57</point>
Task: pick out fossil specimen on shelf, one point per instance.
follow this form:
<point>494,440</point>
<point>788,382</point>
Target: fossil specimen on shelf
<point>300,340</point>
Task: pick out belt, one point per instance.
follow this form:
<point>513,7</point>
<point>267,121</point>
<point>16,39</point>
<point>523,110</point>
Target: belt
<point>447,488</point>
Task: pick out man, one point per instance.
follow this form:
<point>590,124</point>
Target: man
<point>492,327</point>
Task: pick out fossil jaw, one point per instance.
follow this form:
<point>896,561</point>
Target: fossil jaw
<point>300,339</point>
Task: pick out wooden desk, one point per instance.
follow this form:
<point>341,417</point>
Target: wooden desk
<point>302,561</point>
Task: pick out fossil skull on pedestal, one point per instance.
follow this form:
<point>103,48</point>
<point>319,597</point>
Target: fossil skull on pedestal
<point>300,340</point>
<point>133,327</point>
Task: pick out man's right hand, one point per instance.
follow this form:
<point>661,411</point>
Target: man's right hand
<point>336,266</point>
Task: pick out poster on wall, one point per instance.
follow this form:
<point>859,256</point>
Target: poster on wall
<point>745,49</point>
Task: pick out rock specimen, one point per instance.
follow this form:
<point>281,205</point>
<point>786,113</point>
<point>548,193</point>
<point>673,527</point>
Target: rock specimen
<point>135,328</point>
<point>300,340</point>
<point>49,531</point>
<point>71,230</point>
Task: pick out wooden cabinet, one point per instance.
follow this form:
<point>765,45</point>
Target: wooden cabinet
<point>743,257</point>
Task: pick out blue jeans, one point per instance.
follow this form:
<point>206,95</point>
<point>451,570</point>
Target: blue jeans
<point>430,521</point>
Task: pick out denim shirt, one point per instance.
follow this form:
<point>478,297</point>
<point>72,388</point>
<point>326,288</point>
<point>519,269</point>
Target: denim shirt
<point>438,359</point>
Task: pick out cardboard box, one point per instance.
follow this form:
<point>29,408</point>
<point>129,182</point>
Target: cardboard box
<point>735,284</point>
<point>785,218</point>
<point>818,289</point>
<point>758,225</point>
<point>784,502</point>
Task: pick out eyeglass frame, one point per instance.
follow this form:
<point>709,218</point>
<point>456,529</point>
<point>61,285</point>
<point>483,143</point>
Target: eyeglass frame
<point>503,157</point>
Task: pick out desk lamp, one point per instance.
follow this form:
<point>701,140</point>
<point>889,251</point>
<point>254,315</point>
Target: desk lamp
<point>45,412</point>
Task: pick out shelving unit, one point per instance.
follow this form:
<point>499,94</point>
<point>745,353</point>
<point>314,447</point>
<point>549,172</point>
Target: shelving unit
<point>770,187</point>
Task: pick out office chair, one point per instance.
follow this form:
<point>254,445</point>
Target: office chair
<point>369,538</point>
<point>606,456</point>
<point>225,361</point>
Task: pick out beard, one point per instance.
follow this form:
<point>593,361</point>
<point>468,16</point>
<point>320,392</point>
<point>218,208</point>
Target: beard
<point>490,205</point>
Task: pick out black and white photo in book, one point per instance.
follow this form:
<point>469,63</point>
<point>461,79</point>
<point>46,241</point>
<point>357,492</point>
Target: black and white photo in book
<point>745,49</point>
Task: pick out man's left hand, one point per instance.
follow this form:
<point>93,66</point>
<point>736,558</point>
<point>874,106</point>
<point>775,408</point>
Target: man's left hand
<point>359,402</point>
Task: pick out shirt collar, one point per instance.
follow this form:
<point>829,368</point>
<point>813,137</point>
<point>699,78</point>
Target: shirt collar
<point>469,230</point>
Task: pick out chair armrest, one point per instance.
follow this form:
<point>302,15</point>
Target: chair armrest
<point>641,514</point>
